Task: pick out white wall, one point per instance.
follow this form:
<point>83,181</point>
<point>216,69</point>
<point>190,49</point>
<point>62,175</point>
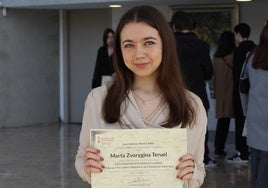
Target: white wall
<point>29,68</point>
<point>86,28</point>
<point>255,14</point>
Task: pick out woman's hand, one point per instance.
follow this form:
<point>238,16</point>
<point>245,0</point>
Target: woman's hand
<point>186,167</point>
<point>93,161</point>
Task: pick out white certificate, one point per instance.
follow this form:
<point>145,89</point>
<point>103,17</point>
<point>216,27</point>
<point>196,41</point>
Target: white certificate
<point>137,158</point>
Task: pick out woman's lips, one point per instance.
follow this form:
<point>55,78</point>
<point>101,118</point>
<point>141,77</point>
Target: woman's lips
<point>141,65</point>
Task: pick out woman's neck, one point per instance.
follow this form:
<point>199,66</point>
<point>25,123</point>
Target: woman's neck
<point>110,50</point>
<point>146,85</point>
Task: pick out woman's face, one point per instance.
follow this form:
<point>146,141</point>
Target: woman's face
<point>110,39</point>
<point>141,48</point>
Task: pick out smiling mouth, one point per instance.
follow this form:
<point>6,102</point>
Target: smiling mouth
<point>141,65</point>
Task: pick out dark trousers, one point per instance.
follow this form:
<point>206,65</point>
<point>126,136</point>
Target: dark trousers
<point>240,141</point>
<point>259,168</point>
<point>222,130</point>
<point>206,154</point>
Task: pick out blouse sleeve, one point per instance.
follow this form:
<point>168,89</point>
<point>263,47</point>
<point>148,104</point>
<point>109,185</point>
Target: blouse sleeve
<point>196,143</point>
<point>92,119</point>
<point>84,141</point>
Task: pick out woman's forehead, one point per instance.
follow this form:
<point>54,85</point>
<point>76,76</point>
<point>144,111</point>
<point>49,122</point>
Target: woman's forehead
<point>138,31</point>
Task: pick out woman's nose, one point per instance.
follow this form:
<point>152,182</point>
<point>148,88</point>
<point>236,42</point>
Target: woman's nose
<point>140,53</point>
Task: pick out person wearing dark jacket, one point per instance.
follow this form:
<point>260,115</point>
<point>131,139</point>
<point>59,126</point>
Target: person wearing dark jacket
<point>195,62</point>
<point>242,32</point>
<point>104,62</point>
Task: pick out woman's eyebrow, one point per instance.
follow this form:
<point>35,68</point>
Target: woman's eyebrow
<point>147,38</point>
<point>127,40</point>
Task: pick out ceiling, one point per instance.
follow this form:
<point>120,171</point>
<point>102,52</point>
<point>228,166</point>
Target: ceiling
<point>87,4</point>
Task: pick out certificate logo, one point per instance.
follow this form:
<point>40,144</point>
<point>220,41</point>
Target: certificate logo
<point>105,139</point>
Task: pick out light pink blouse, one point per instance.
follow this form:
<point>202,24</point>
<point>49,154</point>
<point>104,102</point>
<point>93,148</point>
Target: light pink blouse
<point>131,118</point>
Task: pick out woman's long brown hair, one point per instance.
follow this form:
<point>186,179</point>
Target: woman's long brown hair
<point>260,60</point>
<point>169,78</point>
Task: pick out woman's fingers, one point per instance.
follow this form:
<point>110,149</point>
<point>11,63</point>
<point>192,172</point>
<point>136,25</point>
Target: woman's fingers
<point>94,156</point>
<point>93,161</point>
<point>92,150</point>
<point>187,157</point>
<point>185,173</point>
<point>185,167</point>
<point>93,153</point>
<point>93,166</point>
<point>184,164</point>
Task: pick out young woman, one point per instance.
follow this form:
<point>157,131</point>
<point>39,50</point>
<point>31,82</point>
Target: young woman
<point>223,88</point>
<point>104,63</point>
<point>147,92</point>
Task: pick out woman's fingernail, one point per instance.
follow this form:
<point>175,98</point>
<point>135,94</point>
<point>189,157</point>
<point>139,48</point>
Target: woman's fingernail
<point>101,158</point>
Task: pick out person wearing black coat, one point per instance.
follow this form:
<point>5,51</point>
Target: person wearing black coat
<point>195,62</point>
<point>239,57</point>
<point>104,62</point>
<point>242,32</point>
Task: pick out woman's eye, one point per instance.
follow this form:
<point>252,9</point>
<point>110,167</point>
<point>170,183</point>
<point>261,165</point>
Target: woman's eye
<point>149,43</point>
<point>128,45</point>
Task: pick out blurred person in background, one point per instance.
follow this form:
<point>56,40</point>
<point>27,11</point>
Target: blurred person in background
<point>195,62</point>
<point>104,63</point>
<point>244,45</point>
<point>223,88</point>
<point>257,110</point>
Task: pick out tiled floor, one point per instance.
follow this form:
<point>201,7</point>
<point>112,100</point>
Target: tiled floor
<point>226,175</point>
<point>43,156</point>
